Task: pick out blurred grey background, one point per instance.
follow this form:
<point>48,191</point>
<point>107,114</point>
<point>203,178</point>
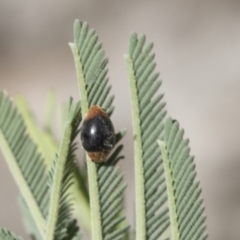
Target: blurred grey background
<point>197,46</point>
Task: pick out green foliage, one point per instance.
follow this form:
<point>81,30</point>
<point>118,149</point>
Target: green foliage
<point>163,176</point>
<point>105,181</point>
<point>59,224</point>
<point>185,203</point>
<point>91,69</point>
<point>29,170</point>
<point>28,220</point>
<point>25,163</point>
<point>50,110</point>
<point>7,235</point>
<point>148,114</point>
<point>48,146</point>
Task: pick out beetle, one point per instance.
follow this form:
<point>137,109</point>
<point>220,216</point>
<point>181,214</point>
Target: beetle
<point>97,134</point>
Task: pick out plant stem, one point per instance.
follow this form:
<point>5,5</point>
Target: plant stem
<point>138,160</point>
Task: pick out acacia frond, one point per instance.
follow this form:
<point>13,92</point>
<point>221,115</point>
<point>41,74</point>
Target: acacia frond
<point>50,110</point>
<point>105,182</point>
<point>185,204</point>
<point>28,220</point>
<point>7,235</point>
<point>25,163</point>
<point>111,198</point>
<point>59,222</point>
<point>93,70</point>
<point>28,168</point>
<point>148,113</point>
<point>48,146</point>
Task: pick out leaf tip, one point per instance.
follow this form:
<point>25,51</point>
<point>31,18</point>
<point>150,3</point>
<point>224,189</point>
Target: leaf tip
<point>71,44</point>
<point>160,142</point>
<point>123,132</point>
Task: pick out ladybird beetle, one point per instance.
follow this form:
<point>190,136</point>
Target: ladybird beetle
<point>97,134</point>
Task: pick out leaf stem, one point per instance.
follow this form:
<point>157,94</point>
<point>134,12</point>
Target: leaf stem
<point>91,167</point>
<point>138,160</point>
<point>170,191</point>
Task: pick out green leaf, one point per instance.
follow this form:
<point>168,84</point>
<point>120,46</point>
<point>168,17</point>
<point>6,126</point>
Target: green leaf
<point>48,146</point>
<point>25,163</point>
<point>59,222</point>
<point>45,144</point>
<point>28,220</point>
<point>7,235</point>
<point>185,204</point>
<point>147,117</point>
<point>105,181</point>
<point>50,110</point>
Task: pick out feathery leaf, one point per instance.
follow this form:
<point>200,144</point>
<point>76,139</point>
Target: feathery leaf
<point>50,109</point>
<point>147,116</point>
<point>29,171</point>
<point>59,223</point>
<point>185,204</point>
<point>28,220</point>
<point>45,144</point>
<point>105,182</point>
<point>48,146</point>
<point>25,163</point>
<point>7,235</point>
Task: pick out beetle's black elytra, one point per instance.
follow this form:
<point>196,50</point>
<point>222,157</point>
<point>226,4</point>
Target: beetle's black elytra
<point>97,134</point>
